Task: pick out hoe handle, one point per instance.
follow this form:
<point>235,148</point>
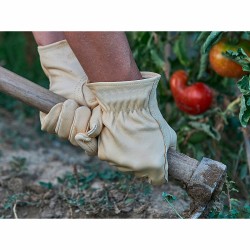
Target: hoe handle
<point>28,92</point>
<point>181,166</point>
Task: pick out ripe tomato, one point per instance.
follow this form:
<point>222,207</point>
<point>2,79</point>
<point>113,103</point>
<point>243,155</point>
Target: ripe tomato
<point>222,65</point>
<point>194,99</point>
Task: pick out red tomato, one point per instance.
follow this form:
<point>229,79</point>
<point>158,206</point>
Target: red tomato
<point>194,99</point>
<point>224,66</point>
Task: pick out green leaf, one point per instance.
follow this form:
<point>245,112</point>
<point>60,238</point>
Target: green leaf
<point>244,115</point>
<point>129,200</point>
<point>159,62</point>
<point>108,174</point>
<point>47,185</point>
<point>212,132</point>
<point>244,85</point>
<point>202,37</point>
<point>203,65</point>
<point>180,49</point>
<point>77,202</point>
<point>239,57</point>
<point>246,35</point>
<point>243,171</point>
<point>212,39</point>
<point>168,197</point>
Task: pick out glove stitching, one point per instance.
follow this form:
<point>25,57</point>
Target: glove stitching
<point>92,148</point>
<point>70,138</point>
<point>79,94</point>
<point>87,146</point>
<point>125,110</point>
<point>58,125</point>
<point>154,115</point>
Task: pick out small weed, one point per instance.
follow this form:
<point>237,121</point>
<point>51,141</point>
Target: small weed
<point>129,200</point>
<point>79,181</point>
<point>232,208</point>
<point>237,211</point>
<point>47,185</point>
<point>169,199</point>
<point>73,183</point>
<point>12,200</point>
<point>109,174</point>
<point>18,164</point>
<point>75,201</point>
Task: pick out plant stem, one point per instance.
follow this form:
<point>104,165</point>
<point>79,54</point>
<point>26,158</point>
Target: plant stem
<point>231,106</point>
<point>14,210</point>
<point>237,160</point>
<point>176,212</point>
<point>246,136</point>
<point>228,196</point>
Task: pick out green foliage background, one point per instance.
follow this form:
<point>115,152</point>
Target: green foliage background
<point>216,134</point>
<point>18,53</point>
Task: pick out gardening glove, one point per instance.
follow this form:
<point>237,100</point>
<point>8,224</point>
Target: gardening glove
<point>135,137</point>
<point>72,119</point>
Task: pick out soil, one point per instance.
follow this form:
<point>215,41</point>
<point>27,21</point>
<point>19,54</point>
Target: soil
<point>44,177</point>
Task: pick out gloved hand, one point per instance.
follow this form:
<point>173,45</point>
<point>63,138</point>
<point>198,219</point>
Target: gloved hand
<point>72,119</point>
<point>135,136</point>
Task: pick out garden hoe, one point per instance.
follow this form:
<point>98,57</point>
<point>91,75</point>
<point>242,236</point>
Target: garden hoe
<point>203,180</point>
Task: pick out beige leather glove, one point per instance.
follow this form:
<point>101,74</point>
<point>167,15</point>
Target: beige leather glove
<point>135,136</point>
<point>72,119</point>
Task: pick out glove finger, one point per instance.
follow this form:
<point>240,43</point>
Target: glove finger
<point>49,121</point>
<point>66,119</point>
<point>89,97</point>
<point>155,176</point>
<point>95,122</point>
<point>90,145</point>
<point>80,123</point>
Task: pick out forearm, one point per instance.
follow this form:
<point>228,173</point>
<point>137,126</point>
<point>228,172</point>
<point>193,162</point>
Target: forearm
<point>105,56</point>
<point>46,37</point>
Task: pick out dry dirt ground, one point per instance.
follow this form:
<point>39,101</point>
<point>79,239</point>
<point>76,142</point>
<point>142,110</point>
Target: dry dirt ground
<point>44,177</point>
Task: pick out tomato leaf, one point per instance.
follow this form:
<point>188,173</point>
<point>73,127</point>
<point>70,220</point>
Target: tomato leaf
<point>212,39</point>
<point>206,128</point>
<point>201,38</point>
<point>180,49</point>
<point>239,57</point>
<point>203,65</point>
<point>244,85</point>
<point>159,62</point>
<point>246,35</point>
<point>244,115</point>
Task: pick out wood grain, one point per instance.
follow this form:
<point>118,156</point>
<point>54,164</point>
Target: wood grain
<point>28,92</point>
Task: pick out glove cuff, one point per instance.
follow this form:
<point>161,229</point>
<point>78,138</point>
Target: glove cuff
<point>126,95</point>
<point>64,71</point>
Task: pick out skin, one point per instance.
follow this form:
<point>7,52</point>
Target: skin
<point>105,56</point>
<point>46,38</point>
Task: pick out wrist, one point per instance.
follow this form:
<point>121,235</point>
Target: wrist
<point>46,38</point>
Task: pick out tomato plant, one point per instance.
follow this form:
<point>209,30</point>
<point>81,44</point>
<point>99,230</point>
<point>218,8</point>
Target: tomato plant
<point>216,133</point>
<point>194,99</point>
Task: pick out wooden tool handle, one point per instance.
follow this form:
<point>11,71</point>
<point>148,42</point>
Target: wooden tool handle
<point>27,91</point>
<point>181,166</point>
